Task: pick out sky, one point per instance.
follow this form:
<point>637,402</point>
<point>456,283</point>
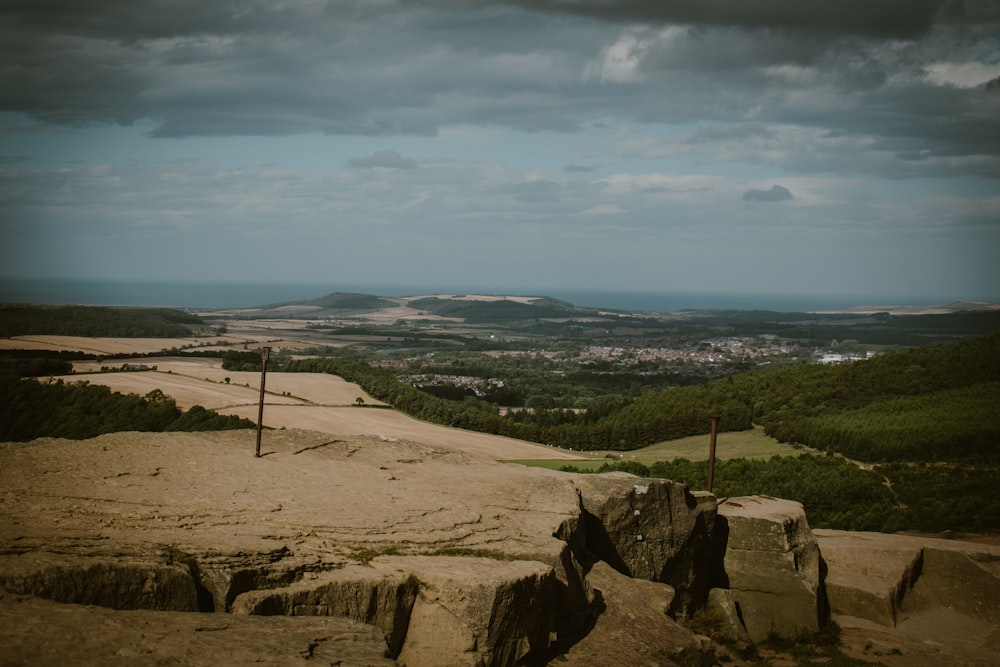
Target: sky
<point>717,146</point>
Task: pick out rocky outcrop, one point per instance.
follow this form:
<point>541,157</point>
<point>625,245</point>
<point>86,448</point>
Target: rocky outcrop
<point>634,627</point>
<point>652,529</point>
<point>869,579</point>
<point>382,597</point>
<point>886,578</point>
<point>42,633</point>
<point>723,613</point>
<point>915,599</point>
<point>773,567</point>
<point>450,559</point>
<point>116,583</point>
<point>442,558</point>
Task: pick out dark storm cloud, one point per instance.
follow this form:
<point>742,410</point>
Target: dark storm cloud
<point>776,193</point>
<point>197,68</point>
<point>867,18</point>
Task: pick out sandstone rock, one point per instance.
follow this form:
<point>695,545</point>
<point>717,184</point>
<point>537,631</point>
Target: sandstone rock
<point>882,577</point>
<point>634,627</point>
<point>868,578</point>
<point>482,563</point>
<point>382,597</point>
<point>943,596</point>
<point>42,633</point>
<point>722,611</point>
<point>120,583</point>
<point>478,611</point>
<point>773,567</point>
<point>652,529</point>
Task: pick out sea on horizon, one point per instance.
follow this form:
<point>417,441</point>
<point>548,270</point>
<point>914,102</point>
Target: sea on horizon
<point>207,295</point>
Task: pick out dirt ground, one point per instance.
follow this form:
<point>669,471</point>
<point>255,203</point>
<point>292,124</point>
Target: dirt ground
<point>313,401</point>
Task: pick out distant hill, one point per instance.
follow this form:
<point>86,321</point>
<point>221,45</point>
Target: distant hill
<point>499,311</point>
<point>351,300</point>
<point>337,301</point>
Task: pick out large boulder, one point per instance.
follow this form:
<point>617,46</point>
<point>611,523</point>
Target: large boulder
<point>652,529</point>
<point>869,574</point>
<point>378,596</point>
<point>635,628</point>
<point>773,567</point>
<point>884,578</point>
<point>433,610</point>
<point>478,611</point>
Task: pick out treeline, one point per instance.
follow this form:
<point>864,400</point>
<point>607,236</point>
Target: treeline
<point>615,424</point>
<point>31,409</point>
<point>838,495</point>
<point>35,363</point>
<point>875,329</point>
<point>95,321</point>
<point>933,403</point>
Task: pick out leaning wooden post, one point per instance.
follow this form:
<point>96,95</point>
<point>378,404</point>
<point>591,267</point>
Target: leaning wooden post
<point>711,451</point>
<point>264,353</point>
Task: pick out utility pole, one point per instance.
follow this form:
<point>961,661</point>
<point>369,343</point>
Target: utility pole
<point>711,451</point>
<point>264,353</point>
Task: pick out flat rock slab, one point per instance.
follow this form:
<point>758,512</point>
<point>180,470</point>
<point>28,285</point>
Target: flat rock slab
<point>320,497</point>
<point>931,601</point>
<point>449,558</point>
<point>43,634</point>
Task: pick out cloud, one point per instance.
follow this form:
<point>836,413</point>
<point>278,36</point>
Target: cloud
<point>384,160</point>
<point>884,19</point>
<point>776,193</point>
<point>963,75</point>
<point>883,74</point>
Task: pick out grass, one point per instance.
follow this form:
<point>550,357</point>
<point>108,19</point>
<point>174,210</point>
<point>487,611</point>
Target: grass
<point>750,444</point>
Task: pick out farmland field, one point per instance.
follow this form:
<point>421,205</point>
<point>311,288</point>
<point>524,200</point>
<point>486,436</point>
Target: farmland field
<point>312,401</point>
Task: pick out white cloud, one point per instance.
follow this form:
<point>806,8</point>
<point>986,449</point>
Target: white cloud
<point>962,75</point>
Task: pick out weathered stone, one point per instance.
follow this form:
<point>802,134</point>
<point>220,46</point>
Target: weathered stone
<point>773,566</point>
<point>42,633</point>
<point>882,577</point>
<point>722,611</point>
<point>119,583</point>
<point>634,627</point>
<point>478,611</point>
<point>868,578</point>
<point>652,529</point>
<point>378,596</point>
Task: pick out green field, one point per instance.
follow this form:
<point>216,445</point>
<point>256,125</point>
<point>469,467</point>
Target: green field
<point>751,444</point>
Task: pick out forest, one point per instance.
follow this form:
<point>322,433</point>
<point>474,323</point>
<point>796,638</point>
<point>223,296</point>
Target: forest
<point>929,417</point>
<point>96,321</point>
<point>31,409</point>
<point>837,494</point>
<point>932,403</point>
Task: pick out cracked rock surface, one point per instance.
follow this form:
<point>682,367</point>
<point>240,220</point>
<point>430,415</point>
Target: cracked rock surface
<point>366,550</point>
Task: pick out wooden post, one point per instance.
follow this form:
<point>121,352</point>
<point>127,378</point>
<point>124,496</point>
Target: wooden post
<point>711,451</point>
<point>264,353</point>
